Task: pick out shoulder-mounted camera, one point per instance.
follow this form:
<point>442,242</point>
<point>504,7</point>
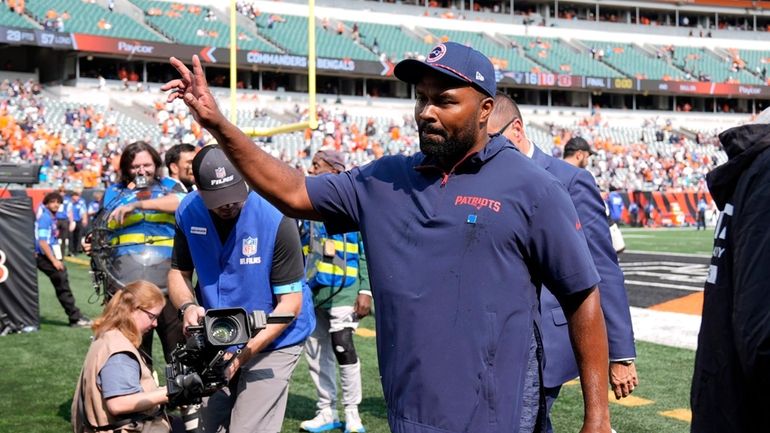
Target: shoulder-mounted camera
<point>197,368</point>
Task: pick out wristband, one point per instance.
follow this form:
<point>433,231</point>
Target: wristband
<point>184,308</point>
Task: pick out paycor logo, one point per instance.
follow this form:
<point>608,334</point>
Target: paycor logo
<point>135,48</point>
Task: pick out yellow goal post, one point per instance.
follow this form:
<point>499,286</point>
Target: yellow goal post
<point>312,121</point>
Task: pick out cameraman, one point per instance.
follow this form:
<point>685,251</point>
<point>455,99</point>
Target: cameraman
<point>141,209</point>
<point>246,254</point>
<point>116,390</point>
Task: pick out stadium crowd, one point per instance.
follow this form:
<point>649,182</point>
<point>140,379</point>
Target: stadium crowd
<point>84,153</point>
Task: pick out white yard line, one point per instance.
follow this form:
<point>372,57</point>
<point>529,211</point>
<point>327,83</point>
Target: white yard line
<point>669,329</point>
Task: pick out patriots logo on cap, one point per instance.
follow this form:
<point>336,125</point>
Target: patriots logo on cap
<point>479,76</point>
<point>220,172</point>
<point>436,53</point>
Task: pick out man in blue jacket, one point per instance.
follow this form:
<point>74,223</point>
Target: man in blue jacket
<point>560,364</point>
<point>246,254</point>
<point>458,238</point>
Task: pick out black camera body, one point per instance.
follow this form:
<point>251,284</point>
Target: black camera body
<point>197,368</point>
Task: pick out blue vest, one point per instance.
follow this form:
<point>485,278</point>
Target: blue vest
<point>237,274</point>
<point>332,260</point>
<point>143,228</point>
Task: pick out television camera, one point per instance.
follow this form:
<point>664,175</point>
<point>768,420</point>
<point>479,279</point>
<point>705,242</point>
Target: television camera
<point>117,260</point>
<point>197,368</point>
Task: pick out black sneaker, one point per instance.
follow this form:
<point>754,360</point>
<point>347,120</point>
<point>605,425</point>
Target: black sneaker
<point>83,322</point>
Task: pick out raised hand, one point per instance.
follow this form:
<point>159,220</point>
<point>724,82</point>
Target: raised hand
<point>194,91</point>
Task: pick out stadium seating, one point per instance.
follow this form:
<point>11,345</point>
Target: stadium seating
<point>86,18</point>
<point>290,33</point>
<point>559,57</point>
<point>755,60</point>
<point>634,62</point>
<point>631,154</point>
<point>192,25</point>
<point>699,61</point>
<point>391,40</point>
<point>504,57</point>
<point>200,25</point>
<point>12,19</point>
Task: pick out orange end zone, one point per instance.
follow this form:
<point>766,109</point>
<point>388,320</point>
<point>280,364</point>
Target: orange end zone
<point>690,304</point>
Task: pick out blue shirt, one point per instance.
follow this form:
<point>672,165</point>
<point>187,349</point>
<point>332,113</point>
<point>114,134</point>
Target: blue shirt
<point>616,205</point>
<point>64,208</point>
<point>78,209</point>
<point>45,229</point>
<point>93,207</point>
<point>455,262</point>
<point>120,376</point>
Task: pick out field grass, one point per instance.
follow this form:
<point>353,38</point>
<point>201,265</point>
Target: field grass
<point>671,240</point>
<point>39,370</point>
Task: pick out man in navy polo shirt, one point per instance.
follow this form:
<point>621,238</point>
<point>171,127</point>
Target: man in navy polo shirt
<point>459,237</point>
<point>560,365</point>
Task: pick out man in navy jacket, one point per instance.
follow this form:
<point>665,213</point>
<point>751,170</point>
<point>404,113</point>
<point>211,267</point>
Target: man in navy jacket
<point>458,236</point>
<point>560,364</point>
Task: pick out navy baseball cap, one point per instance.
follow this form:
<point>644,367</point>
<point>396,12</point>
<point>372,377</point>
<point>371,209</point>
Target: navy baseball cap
<point>454,60</point>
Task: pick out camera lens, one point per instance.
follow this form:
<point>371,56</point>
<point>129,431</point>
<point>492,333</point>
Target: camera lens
<point>224,330</point>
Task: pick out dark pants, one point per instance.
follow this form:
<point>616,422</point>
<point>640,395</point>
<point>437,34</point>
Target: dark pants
<point>634,219</point>
<point>63,225</point>
<point>61,284</point>
<point>169,330</point>
<point>75,247</point>
<point>550,398</point>
<point>701,220</point>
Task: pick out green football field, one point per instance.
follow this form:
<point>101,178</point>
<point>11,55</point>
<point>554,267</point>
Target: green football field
<point>39,370</point>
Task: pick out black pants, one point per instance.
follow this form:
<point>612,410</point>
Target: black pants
<point>75,247</point>
<point>61,284</point>
<point>701,220</point>
<point>169,330</point>
<point>63,225</point>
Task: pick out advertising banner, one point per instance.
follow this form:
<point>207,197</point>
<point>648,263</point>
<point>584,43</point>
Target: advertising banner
<point>18,269</point>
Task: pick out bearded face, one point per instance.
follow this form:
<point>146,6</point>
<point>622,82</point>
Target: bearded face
<point>447,116</point>
<point>447,145</point>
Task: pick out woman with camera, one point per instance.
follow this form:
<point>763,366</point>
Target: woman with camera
<point>116,391</point>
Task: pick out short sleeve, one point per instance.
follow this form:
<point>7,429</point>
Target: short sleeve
<point>288,269</point>
<point>335,197</point>
<point>558,245</point>
<point>120,376</point>
<point>44,227</point>
<point>181,259</point>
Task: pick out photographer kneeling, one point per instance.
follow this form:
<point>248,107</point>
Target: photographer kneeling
<point>116,390</point>
<point>248,255</point>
